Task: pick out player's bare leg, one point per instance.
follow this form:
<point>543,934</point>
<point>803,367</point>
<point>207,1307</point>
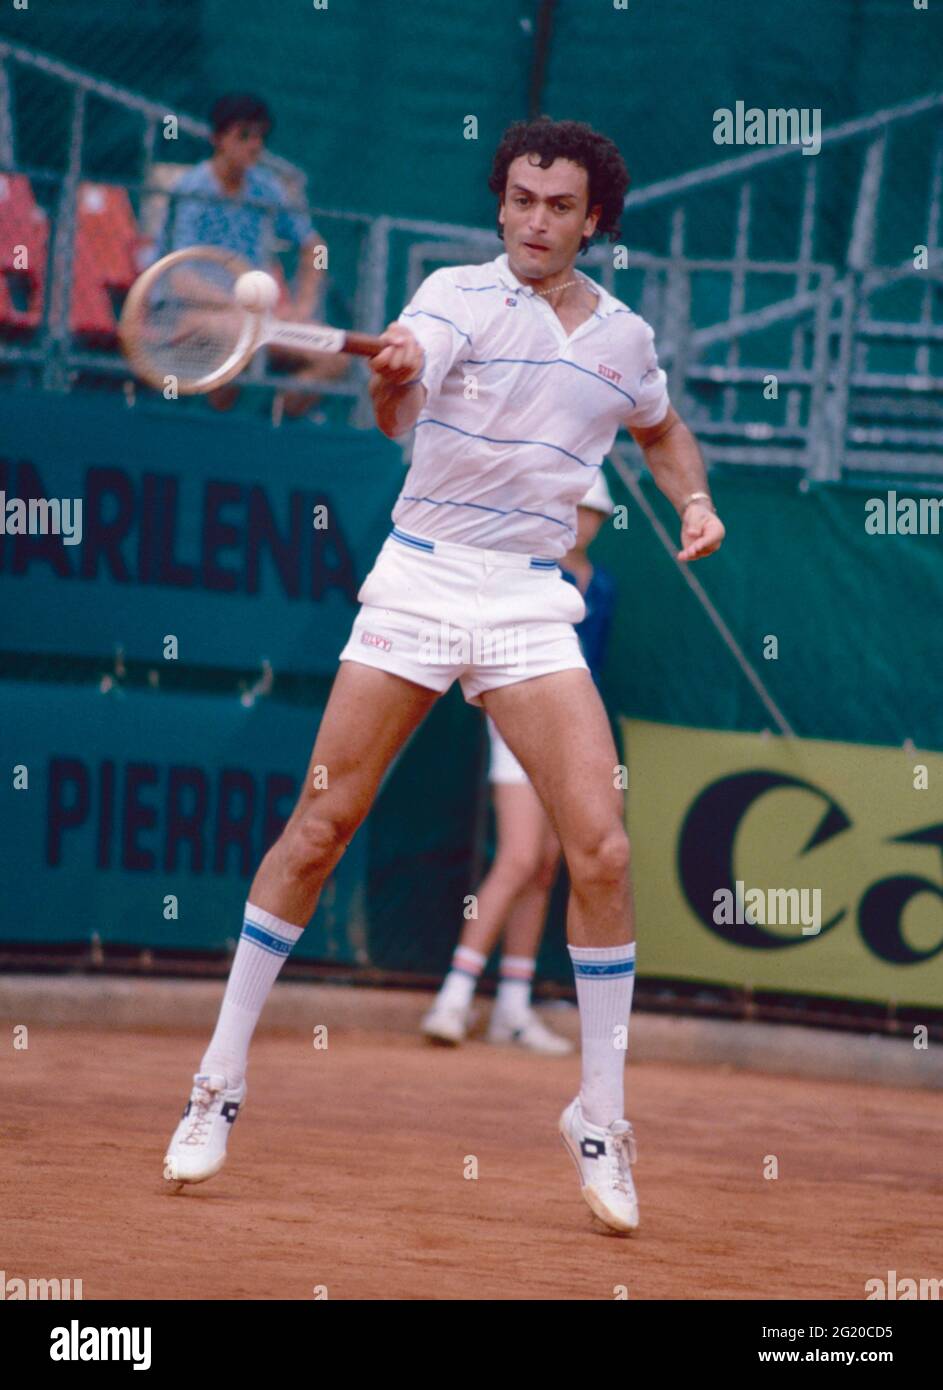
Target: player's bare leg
<point>369,716</point>
<point>557,728</point>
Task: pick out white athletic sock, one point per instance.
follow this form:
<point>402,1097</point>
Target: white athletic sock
<point>513,997</point>
<point>458,987</point>
<point>605,978</point>
<point>264,945</point>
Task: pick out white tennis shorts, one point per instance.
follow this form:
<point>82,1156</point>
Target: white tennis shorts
<point>435,611</point>
<point>504,767</point>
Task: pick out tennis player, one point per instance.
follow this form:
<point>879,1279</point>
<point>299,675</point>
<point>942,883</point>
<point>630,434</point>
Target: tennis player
<point>516,375</point>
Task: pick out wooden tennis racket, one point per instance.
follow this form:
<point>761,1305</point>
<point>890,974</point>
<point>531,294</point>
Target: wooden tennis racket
<point>181,320</point>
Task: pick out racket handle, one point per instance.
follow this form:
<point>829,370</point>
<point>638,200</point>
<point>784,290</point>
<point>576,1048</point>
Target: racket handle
<point>362,344</point>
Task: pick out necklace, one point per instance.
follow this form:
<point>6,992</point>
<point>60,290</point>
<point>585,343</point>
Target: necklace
<point>555,289</point>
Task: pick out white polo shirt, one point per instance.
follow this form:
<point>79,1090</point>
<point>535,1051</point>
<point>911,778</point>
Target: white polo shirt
<point>518,416</point>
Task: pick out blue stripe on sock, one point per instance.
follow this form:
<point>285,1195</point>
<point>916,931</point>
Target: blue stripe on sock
<point>277,945</point>
<point>604,970</point>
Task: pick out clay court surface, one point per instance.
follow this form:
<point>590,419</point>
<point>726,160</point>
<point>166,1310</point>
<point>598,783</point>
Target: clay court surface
<point>346,1171</point>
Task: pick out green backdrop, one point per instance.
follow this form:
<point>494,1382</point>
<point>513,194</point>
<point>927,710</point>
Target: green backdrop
<point>370,95</point>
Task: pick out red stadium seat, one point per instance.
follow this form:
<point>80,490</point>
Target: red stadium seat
<point>23,223</point>
<point>105,264</point>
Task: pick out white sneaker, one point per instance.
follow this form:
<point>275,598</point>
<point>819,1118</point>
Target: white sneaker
<point>198,1147</point>
<point>526,1030</point>
<point>603,1159</point>
<point>446,1023</point>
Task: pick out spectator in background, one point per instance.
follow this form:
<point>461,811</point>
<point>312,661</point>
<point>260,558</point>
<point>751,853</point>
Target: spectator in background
<point>515,893</point>
<point>246,209</point>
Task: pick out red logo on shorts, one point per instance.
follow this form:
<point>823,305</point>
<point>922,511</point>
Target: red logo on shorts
<point>373,639</point>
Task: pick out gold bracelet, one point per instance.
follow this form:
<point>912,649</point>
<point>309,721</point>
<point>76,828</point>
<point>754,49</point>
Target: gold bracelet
<point>694,497</point>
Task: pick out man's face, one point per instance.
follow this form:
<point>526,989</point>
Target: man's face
<point>544,215</point>
<point>241,143</point>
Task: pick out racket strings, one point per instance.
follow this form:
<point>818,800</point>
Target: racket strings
<point>191,326</point>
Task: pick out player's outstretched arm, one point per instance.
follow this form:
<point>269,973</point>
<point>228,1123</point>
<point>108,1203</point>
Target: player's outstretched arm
<point>395,390</point>
<point>675,463</point>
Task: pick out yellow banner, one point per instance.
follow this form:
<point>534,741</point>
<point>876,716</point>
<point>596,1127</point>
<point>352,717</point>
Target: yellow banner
<point>795,865</point>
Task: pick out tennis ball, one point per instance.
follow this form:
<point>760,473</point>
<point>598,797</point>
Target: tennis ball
<point>257,291</point>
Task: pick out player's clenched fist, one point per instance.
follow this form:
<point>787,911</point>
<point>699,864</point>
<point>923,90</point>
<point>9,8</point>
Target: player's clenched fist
<point>401,360</point>
<point>702,532</point>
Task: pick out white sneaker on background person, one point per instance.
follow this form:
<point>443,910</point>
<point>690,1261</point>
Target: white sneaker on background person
<point>526,1030</point>
<point>446,1023</point>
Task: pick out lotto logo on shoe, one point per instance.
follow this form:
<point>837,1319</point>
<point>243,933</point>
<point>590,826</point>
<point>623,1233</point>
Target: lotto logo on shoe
<point>593,1148</point>
<point>230,1110</point>
<point>373,639</point>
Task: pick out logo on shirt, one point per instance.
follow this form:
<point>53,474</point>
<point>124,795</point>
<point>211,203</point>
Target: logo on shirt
<point>373,639</point>
<point>511,302</point>
<point>609,373</point>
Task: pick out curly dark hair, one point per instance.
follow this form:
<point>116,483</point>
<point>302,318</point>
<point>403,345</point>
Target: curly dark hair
<point>608,176</point>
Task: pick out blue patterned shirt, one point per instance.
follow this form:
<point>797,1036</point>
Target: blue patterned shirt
<point>248,222</point>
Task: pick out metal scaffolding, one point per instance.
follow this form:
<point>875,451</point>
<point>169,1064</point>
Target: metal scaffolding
<point>825,360</point>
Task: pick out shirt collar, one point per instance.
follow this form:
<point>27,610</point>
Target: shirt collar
<point>607,303</point>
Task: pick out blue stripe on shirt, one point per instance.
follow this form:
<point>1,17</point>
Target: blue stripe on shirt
<point>479,506</point>
<point>536,443</point>
<point>413,313</point>
<point>549,362</point>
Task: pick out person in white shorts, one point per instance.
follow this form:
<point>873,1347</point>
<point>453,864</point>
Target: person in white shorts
<point>512,899</point>
<point>516,375</point>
